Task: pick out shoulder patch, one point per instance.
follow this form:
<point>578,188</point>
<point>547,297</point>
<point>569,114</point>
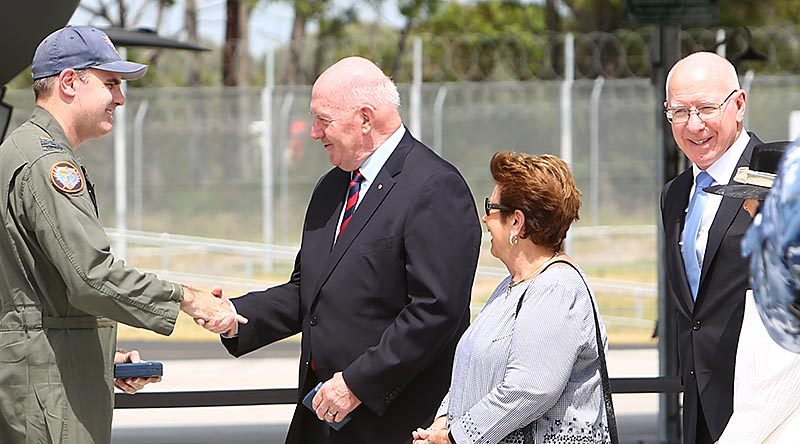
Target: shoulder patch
<point>49,145</point>
<point>66,177</point>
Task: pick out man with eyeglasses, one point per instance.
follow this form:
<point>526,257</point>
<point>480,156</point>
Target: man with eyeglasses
<point>706,274</point>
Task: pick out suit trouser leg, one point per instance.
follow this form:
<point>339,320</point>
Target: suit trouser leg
<point>307,428</point>
<point>703,436</point>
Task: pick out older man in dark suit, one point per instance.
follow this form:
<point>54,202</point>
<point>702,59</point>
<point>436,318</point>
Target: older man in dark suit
<point>706,273</point>
<point>381,286</point>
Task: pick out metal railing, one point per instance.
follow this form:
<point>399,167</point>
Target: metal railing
<point>230,398</point>
<point>164,245</point>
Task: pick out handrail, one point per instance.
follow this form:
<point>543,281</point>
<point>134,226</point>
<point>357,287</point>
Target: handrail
<point>227,398</point>
<point>288,252</point>
<point>210,398</point>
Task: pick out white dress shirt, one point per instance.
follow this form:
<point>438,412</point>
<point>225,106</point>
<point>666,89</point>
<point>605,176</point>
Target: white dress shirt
<point>721,171</point>
<point>371,167</point>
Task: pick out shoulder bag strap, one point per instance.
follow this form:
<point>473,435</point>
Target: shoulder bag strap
<point>609,404</point>
<point>527,431</point>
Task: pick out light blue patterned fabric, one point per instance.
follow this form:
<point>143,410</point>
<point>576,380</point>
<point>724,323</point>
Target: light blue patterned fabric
<point>541,368</point>
<point>773,241</point>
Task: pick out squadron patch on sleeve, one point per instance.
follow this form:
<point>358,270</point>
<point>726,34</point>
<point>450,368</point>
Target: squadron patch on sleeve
<point>66,177</point>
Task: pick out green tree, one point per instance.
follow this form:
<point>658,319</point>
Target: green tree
<point>415,11</point>
<point>759,13</point>
<point>475,41</point>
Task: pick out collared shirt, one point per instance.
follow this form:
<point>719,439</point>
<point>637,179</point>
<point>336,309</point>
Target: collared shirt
<point>372,166</point>
<point>721,171</point>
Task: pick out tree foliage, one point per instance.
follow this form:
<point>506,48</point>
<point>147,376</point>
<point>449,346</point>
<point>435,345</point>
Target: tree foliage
<point>523,38</point>
<point>759,13</point>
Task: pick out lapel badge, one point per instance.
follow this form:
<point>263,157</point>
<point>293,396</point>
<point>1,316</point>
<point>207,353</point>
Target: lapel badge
<point>66,178</point>
<point>380,186</point>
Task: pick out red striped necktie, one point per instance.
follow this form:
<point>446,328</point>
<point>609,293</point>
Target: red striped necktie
<point>352,199</point>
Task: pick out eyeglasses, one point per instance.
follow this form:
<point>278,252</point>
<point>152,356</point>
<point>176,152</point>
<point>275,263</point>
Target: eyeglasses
<point>488,206</point>
<point>704,112</point>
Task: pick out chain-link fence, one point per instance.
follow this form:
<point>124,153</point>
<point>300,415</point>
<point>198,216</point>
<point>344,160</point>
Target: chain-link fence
<point>194,159</point>
<point>624,53</point>
<point>194,155</point>
<point>201,151</point>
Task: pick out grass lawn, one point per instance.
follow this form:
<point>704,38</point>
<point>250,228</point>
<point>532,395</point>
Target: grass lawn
<point>618,257</point>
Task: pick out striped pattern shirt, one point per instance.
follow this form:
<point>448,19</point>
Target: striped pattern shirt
<point>540,368</point>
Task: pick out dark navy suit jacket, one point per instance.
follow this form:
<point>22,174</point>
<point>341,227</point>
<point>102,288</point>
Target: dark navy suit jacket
<point>386,304</point>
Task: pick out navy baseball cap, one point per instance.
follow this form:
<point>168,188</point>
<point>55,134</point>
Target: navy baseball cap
<point>81,47</point>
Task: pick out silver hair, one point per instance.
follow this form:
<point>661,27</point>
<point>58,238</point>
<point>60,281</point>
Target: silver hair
<point>382,93</point>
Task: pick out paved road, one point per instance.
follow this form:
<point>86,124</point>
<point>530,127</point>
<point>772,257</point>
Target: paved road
<point>204,366</point>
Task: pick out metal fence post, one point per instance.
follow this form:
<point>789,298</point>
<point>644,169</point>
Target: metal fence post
<point>267,177</point>
<point>138,141</point>
<point>120,171</point>
<point>283,182</point>
<point>665,51</point>
<point>594,147</point>
<point>746,84</point>
<point>566,112</point>
<point>722,47</point>
<point>438,108</point>
<point>415,97</point>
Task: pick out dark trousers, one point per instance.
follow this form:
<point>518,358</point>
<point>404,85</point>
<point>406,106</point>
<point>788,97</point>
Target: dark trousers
<point>703,436</point>
<point>309,430</point>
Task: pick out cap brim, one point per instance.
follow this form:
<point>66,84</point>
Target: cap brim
<point>739,191</point>
<point>128,70</point>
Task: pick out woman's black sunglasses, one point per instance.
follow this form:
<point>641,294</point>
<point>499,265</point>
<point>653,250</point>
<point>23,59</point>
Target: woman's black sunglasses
<point>488,206</point>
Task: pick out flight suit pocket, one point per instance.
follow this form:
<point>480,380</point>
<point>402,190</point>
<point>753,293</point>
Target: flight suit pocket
<point>13,387</point>
<point>48,415</point>
<point>13,347</point>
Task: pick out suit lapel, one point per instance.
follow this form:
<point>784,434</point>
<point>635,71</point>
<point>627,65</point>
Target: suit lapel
<point>324,212</point>
<point>728,209</point>
<point>378,190</point>
<point>372,200</point>
<point>676,211</point>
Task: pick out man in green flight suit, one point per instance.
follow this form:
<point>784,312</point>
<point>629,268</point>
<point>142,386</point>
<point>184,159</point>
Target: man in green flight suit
<point>61,289</point>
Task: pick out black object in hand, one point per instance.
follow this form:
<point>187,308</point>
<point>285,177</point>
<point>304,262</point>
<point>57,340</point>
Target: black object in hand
<point>138,370</point>
<point>334,425</point>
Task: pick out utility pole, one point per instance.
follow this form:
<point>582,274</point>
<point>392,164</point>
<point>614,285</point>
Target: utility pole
<point>665,50</point>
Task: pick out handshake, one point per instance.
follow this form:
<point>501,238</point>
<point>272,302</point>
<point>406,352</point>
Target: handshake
<point>214,312</point>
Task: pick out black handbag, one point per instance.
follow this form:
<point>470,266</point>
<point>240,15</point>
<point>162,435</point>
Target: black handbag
<point>527,431</point>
